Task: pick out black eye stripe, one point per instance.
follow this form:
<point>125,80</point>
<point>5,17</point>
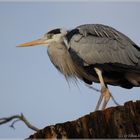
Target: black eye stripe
<point>55,31</point>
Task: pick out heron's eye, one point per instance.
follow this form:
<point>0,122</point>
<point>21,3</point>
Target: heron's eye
<point>49,36</point>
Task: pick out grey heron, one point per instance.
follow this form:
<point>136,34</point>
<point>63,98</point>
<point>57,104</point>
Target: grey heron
<point>94,53</point>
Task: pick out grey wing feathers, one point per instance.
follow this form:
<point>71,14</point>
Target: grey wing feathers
<point>99,44</point>
<point>98,30</point>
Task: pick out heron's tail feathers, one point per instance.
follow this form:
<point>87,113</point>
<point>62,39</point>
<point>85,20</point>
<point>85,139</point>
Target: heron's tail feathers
<point>133,78</point>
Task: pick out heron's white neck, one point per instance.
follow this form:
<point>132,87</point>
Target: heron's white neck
<point>62,60</point>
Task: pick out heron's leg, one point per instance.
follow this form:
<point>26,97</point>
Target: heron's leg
<point>99,102</point>
<point>106,95</point>
<point>104,91</point>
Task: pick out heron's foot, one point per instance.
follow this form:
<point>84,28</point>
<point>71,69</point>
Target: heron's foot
<point>105,94</point>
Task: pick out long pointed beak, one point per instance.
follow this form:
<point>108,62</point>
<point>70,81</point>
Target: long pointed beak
<point>33,43</point>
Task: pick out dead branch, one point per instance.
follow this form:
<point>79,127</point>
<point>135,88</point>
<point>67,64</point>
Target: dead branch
<point>114,122</point>
<point>17,118</point>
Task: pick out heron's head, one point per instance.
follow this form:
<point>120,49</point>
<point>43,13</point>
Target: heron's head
<point>55,35</point>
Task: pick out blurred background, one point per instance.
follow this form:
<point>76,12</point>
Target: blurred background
<point>30,84</point>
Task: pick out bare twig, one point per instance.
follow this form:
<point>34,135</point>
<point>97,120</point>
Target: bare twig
<point>114,100</point>
<point>12,125</point>
<point>93,88</point>
<point>20,117</point>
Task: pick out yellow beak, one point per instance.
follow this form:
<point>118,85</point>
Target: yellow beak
<point>33,43</point>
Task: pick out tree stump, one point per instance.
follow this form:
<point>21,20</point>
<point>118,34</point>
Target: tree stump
<point>114,122</point>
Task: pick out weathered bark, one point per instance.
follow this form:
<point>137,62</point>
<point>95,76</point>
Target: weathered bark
<point>114,122</point>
